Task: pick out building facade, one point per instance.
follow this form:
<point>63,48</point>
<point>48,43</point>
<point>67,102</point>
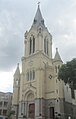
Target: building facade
<point>37,92</point>
<point>5,104</point>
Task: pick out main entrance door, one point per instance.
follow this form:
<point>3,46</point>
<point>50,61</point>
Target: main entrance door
<point>32,111</point>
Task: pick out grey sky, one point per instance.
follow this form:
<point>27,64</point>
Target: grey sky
<point>16,16</point>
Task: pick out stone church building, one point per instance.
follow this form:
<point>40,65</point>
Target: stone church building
<point>37,92</point>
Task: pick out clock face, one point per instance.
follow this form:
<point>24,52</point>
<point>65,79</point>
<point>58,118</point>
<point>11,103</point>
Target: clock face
<point>50,76</point>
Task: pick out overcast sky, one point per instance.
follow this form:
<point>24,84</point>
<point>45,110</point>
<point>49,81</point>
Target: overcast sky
<point>16,16</point>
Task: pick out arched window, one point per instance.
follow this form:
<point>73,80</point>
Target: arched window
<point>33,74</point>
<point>35,21</point>
<point>30,75</point>
<point>46,46</point>
<point>32,44</point>
<point>56,69</point>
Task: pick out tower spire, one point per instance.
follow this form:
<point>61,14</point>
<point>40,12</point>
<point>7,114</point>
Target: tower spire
<point>38,19</point>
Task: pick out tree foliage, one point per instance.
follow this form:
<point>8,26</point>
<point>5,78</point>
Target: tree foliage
<point>11,113</point>
<point>67,73</point>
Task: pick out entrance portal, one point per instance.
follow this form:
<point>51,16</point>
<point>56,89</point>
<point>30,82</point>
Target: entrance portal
<point>32,111</point>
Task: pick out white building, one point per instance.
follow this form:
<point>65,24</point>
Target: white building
<point>5,104</point>
<point>37,92</point>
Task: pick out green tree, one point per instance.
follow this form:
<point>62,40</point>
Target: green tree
<point>10,114</point>
<point>67,73</point>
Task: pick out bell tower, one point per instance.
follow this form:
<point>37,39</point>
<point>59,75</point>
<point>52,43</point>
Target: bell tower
<point>37,57</point>
<point>38,39</point>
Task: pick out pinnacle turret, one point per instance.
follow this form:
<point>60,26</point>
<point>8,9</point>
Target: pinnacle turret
<point>17,72</point>
<point>57,56</point>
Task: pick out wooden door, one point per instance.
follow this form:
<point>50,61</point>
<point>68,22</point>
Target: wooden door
<point>32,111</point>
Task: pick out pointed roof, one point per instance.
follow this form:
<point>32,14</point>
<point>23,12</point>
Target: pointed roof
<point>57,56</point>
<point>17,72</point>
<point>38,19</point>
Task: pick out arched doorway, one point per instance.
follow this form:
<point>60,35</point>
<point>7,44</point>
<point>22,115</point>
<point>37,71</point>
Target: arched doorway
<point>32,110</point>
<point>31,105</point>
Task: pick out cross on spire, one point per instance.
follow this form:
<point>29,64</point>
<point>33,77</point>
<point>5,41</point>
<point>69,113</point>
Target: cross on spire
<point>38,4</point>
